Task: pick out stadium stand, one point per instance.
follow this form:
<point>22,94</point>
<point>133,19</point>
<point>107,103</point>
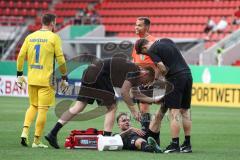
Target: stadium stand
<point>179,18</point>
<point>26,12</point>
<point>173,18</point>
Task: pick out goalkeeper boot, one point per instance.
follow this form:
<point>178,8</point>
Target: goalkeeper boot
<point>52,140</point>
<point>24,139</point>
<point>39,145</point>
<point>151,141</point>
<point>185,147</point>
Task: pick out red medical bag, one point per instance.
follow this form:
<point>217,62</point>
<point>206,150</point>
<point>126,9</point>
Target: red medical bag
<point>83,139</point>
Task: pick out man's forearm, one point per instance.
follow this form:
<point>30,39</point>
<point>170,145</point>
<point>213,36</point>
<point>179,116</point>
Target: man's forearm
<point>126,97</point>
<point>162,68</point>
<point>125,133</point>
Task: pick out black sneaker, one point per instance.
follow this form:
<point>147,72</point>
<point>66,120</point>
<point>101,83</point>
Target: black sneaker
<point>172,148</point>
<point>52,140</point>
<point>186,148</point>
<point>149,148</point>
<point>24,141</point>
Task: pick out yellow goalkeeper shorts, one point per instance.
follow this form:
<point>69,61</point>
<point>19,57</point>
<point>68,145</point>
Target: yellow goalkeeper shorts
<point>41,95</point>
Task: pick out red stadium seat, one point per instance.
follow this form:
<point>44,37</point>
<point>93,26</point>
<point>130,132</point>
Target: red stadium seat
<point>32,13</point>
<point>23,12</point>
<point>60,20</point>
<point>15,12</point>
<point>45,5</point>
<point>28,5</point>
<point>38,21</point>
<point>7,12</point>
<point>11,4</point>
<point>19,5</point>
<point>3,4</point>
<point>36,5</point>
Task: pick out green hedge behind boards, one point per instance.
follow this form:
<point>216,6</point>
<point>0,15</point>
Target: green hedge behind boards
<point>9,68</point>
<point>79,31</point>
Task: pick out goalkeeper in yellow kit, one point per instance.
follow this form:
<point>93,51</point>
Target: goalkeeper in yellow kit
<point>40,48</point>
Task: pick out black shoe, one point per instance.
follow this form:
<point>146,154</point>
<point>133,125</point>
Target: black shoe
<point>52,140</point>
<point>149,148</point>
<point>172,148</point>
<point>186,148</point>
<point>24,141</point>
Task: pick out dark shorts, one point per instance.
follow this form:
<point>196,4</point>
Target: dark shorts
<point>129,141</point>
<point>180,97</point>
<point>100,90</point>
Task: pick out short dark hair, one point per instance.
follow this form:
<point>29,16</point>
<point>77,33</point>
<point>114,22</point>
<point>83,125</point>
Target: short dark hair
<point>48,18</point>
<point>139,44</point>
<point>120,115</point>
<point>146,20</point>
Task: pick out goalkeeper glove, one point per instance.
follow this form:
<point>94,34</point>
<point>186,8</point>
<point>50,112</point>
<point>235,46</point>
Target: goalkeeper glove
<point>64,84</point>
<point>21,81</point>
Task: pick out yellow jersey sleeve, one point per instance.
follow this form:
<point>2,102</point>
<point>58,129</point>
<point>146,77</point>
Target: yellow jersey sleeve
<point>22,56</point>
<point>59,55</point>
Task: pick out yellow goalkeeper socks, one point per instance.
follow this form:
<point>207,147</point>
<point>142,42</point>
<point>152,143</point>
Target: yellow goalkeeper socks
<point>36,140</point>
<point>40,123</point>
<point>25,132</point>
<point>29,117</point>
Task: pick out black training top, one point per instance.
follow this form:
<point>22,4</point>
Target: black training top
<point>116,69</point>
<point>129,140</point>
<point>166,51</point>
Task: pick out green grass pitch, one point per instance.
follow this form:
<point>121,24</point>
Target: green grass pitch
<point>215,136</point>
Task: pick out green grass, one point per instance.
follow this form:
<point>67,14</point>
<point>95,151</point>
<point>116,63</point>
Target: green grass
<point>215,135</point>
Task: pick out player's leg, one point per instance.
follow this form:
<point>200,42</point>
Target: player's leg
<point>109,119</point>
<point>71,112</point>
<point>154,127</point>
<point>173,103</point>
<point>29,117</point>
<point>186,117</point>
<point>40,123</point>
<point>30,114</point>
<point>187,126</point>
<point>175,125</point>
<point>186,120</point>
<point>142,145</point>
<point>46,98</point>
<point>153,133</point>
<point>155,124</point>
<point>145,115</point>
<point>66,116</point>
<point>175,130</point>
